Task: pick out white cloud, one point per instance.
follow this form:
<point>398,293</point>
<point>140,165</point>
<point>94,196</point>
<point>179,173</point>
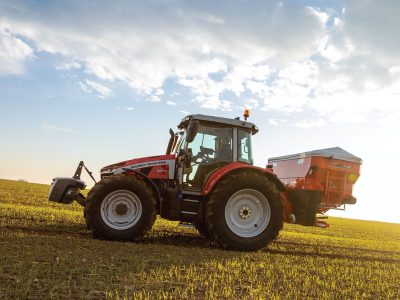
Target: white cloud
<point>171,103</point>
<point>395,70</point>
<point>286,57</point>
<point>322,16</point>
<point>50,127</point>
<point>100,90</point>
<point>14,52</point>
<point>130,108</point>
<point>141,55</point>
<point>273,122</point>
<point>205,49</point>
<point>251,103</point>
<point>68,66</point>
<point>210,18</point>
<point>310,123</point>
<point>337,22</point>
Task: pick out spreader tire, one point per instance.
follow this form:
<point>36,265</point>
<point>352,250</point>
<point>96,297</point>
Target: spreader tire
<point>244,211</point>
<point>305,205</point>
<point>120,208</point>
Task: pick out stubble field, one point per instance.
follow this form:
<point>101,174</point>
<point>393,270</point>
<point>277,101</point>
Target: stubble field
<point>47,252</point>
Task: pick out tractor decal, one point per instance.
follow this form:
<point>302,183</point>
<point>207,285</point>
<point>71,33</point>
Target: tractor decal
<point>169,164</point>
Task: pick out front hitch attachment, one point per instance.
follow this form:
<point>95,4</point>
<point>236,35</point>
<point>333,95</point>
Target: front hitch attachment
<point>66,190</point>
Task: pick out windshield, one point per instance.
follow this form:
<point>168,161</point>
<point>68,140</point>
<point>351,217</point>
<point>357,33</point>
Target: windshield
<point>214,142</point>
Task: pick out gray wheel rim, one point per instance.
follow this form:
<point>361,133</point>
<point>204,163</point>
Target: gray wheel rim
<point>247,213</point>
<point>121,209</point>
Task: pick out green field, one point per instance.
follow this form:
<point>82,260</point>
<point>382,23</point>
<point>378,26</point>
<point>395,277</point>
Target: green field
<point>46,252</point>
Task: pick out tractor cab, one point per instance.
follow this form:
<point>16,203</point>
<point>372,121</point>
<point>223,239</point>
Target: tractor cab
<point>208,143</point>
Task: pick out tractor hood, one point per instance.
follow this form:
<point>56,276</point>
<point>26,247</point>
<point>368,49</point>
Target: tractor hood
<point>141,163</point>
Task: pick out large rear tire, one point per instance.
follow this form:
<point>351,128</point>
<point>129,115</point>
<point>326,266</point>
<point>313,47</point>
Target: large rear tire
<point>202,228</point>
<point>244,211</point>
<point>120,208</point>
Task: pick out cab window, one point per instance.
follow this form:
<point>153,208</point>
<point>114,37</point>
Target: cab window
<point>244,146</point>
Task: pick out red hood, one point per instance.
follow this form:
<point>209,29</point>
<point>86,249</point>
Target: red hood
<point>136,161</point>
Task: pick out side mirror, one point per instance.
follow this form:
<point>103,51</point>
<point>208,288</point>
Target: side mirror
<point>191,130</point>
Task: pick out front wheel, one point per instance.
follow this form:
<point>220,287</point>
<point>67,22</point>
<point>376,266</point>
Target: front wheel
<point>120,208</point>
<point>245,211</point>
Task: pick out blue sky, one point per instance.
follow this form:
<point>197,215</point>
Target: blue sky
<point>104,81</point>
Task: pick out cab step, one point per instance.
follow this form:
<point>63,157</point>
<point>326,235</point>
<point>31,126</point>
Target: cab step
<point>190,209</point>
<point>186,225</point>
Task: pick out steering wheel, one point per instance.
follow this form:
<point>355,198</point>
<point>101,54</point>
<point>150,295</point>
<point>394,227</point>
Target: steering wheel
<point>204,155</point>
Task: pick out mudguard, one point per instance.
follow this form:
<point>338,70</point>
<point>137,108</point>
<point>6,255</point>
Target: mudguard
<point>235,166</point>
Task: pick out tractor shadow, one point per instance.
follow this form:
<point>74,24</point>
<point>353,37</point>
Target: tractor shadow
<point>335,252</point>
<point>174,236</point>
<point>181,240</point>
<point>178,239</point>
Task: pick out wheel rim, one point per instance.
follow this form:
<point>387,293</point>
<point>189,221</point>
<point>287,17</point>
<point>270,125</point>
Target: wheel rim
<point>247,213</point>
<point>121,209</point>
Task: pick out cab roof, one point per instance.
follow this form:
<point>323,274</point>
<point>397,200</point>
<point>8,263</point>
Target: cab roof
<point>219,120</point>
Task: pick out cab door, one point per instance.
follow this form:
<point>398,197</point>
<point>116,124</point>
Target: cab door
<point>211,149</point>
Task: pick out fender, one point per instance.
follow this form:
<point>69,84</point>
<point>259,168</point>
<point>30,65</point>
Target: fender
<point>127,171</point>
<point>218,174</point>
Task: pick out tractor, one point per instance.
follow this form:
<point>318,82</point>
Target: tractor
<point>206,178</point>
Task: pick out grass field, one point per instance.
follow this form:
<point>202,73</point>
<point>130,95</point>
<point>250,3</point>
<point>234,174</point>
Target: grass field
<point>46,252</point>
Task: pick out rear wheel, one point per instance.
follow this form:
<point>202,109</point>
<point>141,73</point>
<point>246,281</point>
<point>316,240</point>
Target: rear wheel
<point>244,212</point>
<point>120,208</point>
<point>201,228</point>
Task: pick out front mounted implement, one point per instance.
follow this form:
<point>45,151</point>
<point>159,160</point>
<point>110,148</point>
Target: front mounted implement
<point>66,190</point>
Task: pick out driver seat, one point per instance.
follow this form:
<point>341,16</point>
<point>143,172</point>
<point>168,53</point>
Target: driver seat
<point>204,171</point>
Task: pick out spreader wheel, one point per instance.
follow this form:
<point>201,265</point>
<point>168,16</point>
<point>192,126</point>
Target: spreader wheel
<point>120,208</point>
<point>244,212</point>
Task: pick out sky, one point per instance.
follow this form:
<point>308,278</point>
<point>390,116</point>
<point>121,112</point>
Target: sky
<point>103,81</point>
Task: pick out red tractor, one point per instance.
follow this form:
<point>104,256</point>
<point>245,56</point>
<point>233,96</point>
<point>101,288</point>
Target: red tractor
<point>206,178</point>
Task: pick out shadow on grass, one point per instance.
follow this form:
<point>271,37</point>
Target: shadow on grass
<point>48,230</point>
<point>66,262</point>
<point>79,231</point>
<point>335,252</point>
<point>186,239</point>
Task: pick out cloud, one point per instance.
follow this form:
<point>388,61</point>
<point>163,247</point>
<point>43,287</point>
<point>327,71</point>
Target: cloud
<point>14,52</point>
<point>100,90</point>
<point>250,104</point>
<point>50,127</point>
<point>289,58</point>
<point>171,103</point>
<point>273,122</point>
<point>144,56</point>
<point>309,124</point>
<point>210,18</point>
<point>65,66</point>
